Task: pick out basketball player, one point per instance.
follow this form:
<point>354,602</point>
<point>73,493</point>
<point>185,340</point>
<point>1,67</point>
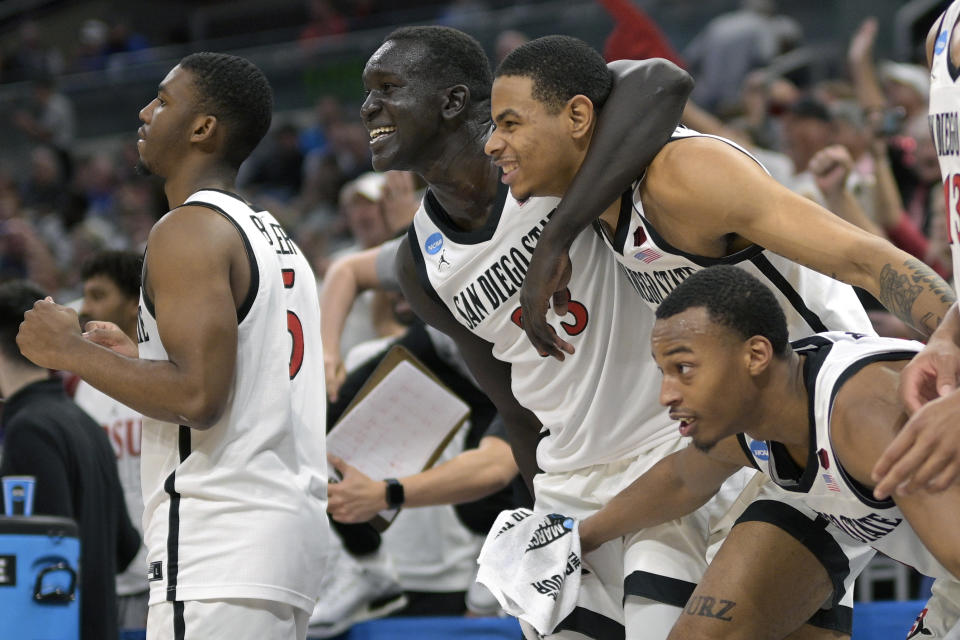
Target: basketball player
<point>926,453</point>
<point>233,460</point>
<point>706,201</point>
<point>111,293</point>
<point>592,428</point>
<point>814,418</point>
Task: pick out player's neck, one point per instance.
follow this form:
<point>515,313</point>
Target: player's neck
<point>783,410</point>
<point>189,179</point>
<point>464,181</point>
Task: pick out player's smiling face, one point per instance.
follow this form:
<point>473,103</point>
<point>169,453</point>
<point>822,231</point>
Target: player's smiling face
<point>401,108</point>
<point>705,380</point>
<point>532,146</point>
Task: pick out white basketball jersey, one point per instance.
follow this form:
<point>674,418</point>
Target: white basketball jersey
<point>122,425</point>
<point>811,301</point>
<point>824,485</point>
<point>945,127</point>
<point>600,404</point>
<point>239,510</point>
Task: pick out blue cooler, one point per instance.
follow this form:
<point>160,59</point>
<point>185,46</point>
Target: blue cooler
<point>39,594</point>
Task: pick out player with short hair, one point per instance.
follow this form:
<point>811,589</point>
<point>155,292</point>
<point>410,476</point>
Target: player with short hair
<point>461,266</point>
<point>813,416</point>
<point>702,201</point>
<point>233,457</point>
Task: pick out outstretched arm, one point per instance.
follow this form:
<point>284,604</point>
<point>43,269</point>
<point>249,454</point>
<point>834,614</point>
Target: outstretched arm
<point>677,485</point>
<point>346,278</point>
<point>493,376</point>
<point>471,475</point>
<point>725,192</point>
<point>642,111</point>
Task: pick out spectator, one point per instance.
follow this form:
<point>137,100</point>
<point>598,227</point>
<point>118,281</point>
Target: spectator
<point>49,120</point>
<point>47,436</point>
<point>733,44</point>
<point>111,293</point>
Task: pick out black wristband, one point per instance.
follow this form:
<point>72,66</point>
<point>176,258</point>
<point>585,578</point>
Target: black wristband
<point>394,493</point>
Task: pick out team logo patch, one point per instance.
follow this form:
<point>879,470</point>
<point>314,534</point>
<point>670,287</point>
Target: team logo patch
<point>918,629</point>
<point>553,528</point>
<point>941,43</point>
<point>434,243</point>
<point>443,264</point>
<point>824,458</point>
<point>155,571</point>
<point>760,450</point>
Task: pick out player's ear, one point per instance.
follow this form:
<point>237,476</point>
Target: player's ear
<point>455,101</point>
<point>204,128</point>
<point>758,352</point>
<point>580,115</point>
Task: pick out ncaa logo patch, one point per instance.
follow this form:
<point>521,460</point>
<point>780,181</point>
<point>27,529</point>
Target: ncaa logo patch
<point>760,450</point>
<point>941,43</point>
<point>434,243</point>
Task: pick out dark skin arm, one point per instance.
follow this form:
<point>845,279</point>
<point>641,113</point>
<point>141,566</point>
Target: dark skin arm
<point>926,452</point>
<point>642,111</point>
<point>197,272</point>
<point>493,376</point>
<point>867,416</point>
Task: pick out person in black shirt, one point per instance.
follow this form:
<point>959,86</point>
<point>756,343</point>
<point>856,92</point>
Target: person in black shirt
<point>45,435</point>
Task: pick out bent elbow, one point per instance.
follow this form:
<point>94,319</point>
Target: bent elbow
<point>203,411</point>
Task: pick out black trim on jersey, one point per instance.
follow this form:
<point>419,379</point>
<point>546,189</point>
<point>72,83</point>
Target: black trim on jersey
<point>862,493</point>
<point>143,287</point>
<point>179,624</point>
<point>623,221</point>
<point>235,196</point>
<point>742,439</point>
<point>173,516</point>
<point>812,534</point>
<point>952,69</point>
<point>776,278</point>
<point>653,586</point>
<point>782,466</point>
<point>251,296</point>
<point>737,257</point>
<point>421,266</point>
<point>837,618</point>
<point>441,218</point>
<point>592,624</point>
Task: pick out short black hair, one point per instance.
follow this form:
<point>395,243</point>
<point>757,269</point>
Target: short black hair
<point>16,298</point>
<point>235,91</point>
<point>561,67</point>
<point>122,267</point>
<point>733,298</point>
<point>452,57</point>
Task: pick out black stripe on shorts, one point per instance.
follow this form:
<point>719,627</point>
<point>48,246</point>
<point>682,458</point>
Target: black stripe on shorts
<point>592,624</point>
<point>652,586</point>
<point>813,535</point>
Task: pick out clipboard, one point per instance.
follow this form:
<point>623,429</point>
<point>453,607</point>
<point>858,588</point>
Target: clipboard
<point>400,389</point>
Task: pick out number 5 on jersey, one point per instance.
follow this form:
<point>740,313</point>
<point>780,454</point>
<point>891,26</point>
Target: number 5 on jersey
<point>295,328</point>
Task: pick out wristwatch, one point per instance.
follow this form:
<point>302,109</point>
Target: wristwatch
<point>394,493</point>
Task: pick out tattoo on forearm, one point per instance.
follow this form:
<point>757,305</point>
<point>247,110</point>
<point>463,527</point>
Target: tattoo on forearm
<point>710,607</point>
<point>900,288</point>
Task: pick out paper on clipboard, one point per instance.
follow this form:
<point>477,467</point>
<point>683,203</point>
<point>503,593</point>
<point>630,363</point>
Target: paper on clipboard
<point>400,425</point>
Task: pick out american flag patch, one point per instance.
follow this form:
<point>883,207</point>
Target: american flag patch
<point>831,483</point>
<point>648,255</point>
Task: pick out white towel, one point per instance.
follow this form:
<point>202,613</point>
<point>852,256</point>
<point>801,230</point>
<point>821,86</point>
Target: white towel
<point>531,563</point>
